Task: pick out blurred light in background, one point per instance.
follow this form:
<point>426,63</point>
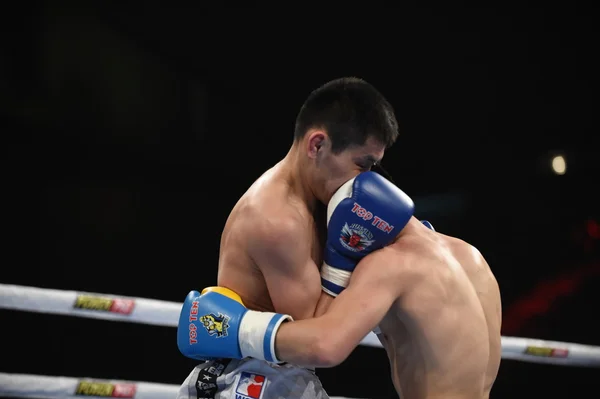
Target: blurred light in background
<point>593,229</point>
<point>559,165</point>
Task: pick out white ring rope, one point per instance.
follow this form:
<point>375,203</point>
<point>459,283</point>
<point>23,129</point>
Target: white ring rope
<point>43,386</point>
<point>92,305</point>
<point>163,313</point>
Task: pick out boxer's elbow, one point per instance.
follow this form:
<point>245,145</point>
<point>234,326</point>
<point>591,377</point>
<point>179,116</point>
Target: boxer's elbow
<point>329,350</point>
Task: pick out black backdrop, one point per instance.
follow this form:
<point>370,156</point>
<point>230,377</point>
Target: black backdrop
<point>130,132</point>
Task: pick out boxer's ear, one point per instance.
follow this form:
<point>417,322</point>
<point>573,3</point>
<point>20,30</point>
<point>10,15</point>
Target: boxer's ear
<point>316,140</point>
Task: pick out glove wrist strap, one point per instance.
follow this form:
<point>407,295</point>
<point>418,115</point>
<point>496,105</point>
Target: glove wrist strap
<point>257,334</point>
<point>334,280</point>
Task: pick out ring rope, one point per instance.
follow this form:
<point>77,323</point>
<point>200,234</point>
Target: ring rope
<point>164,313</point>
<point>43,386</point>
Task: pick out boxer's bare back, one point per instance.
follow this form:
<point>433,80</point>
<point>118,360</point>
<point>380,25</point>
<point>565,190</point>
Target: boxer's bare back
<point>442,334</point>
<point>271,246</point>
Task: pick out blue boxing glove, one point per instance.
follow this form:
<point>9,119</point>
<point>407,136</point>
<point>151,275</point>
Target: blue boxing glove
<point>365,213</point>
<point>216,324</point>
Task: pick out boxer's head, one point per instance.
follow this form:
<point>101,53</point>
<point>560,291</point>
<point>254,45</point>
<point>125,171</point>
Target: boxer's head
<point>343,129</point>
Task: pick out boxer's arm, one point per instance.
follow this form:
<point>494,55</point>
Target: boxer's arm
<point>323,305</point>
<point>328,340</point>
<point>280,246</point>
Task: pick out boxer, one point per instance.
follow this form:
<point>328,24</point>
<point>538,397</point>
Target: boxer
<point>432,298</point>
<point>272,245</point>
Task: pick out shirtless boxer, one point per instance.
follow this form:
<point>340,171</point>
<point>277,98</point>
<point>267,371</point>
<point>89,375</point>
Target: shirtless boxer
<point>272,244</point>
<point>432,297</point>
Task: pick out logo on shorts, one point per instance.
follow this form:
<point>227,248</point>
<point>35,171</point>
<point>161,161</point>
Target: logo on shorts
<point>105,389</point>
<point>206,383</point>
<point>216,325</point>
<point>250,386</point>
<point>356,237</point>
<point>113,305</point>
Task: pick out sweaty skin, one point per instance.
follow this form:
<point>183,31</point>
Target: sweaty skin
<point>270,248</point>
<point>272,244</point>
<point>438,306</point>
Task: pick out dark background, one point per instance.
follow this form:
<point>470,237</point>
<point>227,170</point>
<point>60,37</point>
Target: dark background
<point>131,130</point>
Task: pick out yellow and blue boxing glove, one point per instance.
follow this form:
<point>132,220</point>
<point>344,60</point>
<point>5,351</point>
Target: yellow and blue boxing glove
<point>216,324</point>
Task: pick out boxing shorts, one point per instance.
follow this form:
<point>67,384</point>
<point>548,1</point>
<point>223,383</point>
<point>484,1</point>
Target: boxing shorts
<point>250,379</point>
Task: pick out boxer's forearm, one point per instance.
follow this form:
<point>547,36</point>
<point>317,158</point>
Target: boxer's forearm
<point>327,340</point>
<point>307,343</point>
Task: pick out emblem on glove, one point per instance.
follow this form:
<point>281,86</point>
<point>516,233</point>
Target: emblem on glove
<point>216,325</point>
<point>355,237</point>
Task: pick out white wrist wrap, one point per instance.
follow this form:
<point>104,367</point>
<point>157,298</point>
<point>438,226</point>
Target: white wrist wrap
<point>336,276</point>
<point>257,334</point>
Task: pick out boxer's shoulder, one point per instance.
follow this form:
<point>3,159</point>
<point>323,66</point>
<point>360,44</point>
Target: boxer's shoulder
<point>273,198</point>
<point>266,204</point>
<point>270,217</point>
<point>276,223</point>
<point>463,251</point>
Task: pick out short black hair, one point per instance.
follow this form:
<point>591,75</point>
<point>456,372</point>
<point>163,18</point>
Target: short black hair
<point>350,110</point>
